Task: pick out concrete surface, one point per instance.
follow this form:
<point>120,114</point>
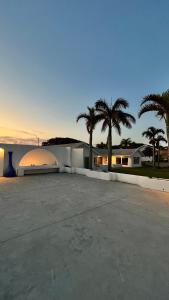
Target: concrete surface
<point>66,236</point>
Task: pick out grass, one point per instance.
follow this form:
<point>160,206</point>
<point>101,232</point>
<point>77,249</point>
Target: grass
<point>145,171</point>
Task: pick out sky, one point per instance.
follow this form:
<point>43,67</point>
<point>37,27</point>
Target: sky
<point>58,56</point>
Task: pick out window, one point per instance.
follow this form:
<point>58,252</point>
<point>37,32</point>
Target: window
<point>125,161</point>
<point>118,160</point>
<point>136,160</point>
<point>99,160</point>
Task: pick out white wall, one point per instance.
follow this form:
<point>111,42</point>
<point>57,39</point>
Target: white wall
<point>77,158</point>
<point>140,160</point>
<point>145,182</point>
<point>18,152</point>
<point>62,154</point>
<point>130,162</point>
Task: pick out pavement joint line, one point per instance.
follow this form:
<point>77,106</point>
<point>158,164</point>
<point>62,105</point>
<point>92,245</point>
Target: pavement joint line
<point>112,202</point>
<point>57,222</point>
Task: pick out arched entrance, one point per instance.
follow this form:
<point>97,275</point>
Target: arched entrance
<point>38,157</point>
<point>38,161</point>
<point>1,161</point>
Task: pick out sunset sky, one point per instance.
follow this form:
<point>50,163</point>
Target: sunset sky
<point>57,57</point>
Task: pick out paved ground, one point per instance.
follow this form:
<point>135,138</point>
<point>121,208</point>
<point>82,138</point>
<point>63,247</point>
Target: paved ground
<point>71,237</point>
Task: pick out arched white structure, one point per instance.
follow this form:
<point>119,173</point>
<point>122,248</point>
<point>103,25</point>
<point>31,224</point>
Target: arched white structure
<point>27,158</point>
<point>1,161</point>
<point>38,157</point>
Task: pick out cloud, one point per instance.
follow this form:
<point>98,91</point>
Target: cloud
<point>33,133</point>
<point>19,140</point>
<point>17,136</point>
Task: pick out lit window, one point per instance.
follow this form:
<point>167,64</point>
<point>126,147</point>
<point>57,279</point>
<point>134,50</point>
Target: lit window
<point>99,160</point>
<point>118,160</point>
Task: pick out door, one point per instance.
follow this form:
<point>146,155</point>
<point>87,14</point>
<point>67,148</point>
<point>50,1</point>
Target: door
<point>86,162</point>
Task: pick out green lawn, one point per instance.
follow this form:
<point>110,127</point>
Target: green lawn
<point>145,171</point>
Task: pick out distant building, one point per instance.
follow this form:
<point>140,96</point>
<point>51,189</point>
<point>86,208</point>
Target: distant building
<point>164,154</point>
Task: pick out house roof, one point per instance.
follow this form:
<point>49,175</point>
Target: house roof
<point>116,152</point>
<point>77,145</point>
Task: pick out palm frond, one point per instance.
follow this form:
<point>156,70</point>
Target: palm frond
<point>116,125</point>
<point>147,134</point>
<point>102,105</point>
<point>82,116</point>
<point>161,114</point>
<point>156,98</point>
<point>104,125</point>
<point>150,108</point>
<point>160,138</point>
<point>125,118</point>
<point>120,103</point>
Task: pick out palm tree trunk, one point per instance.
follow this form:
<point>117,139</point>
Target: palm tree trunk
<point>153,155</point>
<point>167,130</point>
<point>90,150</point>
<point>158,157</point>
<point>109,149</point>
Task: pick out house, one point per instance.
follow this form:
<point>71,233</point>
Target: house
<point>164,154</point>
<point>120,157</point>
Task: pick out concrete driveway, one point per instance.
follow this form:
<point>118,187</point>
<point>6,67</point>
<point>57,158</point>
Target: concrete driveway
<point>69,237</point>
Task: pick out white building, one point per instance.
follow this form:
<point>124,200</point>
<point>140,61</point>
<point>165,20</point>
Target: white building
<point>28,159</point>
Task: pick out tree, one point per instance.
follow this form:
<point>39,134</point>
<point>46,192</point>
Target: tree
<point>60,141</point>
<point>125,143</point>
<point>151,134</point>
<point>159,103</point>
<point>101,145</point>
<point>113,116</point>
<point>159,139</point>
<point>148,152</point>
<point>91,119</point>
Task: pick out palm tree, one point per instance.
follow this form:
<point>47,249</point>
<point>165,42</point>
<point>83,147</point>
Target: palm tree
<point>126,142</point>
<point>159,139</point>
<point>151,134</point>
<point>159,103</point>
<point>113,116</point>
<point>91,119</point>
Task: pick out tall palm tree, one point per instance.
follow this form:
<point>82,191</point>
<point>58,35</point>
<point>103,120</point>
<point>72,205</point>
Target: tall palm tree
<point>126,142</point>
<point>113,116</point>
<point>151,134</point>
<point>159,139</point>
<point>159,103</point>
<point>91,119</point>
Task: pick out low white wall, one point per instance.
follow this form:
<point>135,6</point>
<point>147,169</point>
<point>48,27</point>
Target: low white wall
<point>145,182</point>
<point>81,171</point>
<point>98,175</point>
